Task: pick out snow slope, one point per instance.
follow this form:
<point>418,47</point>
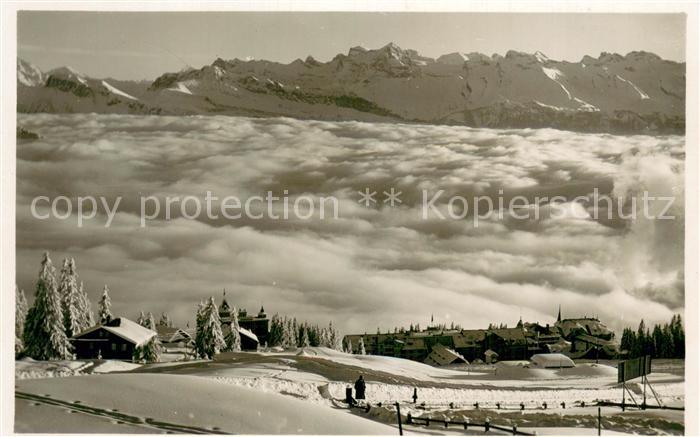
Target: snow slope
<point>114,90</point>
<point>195,401</point>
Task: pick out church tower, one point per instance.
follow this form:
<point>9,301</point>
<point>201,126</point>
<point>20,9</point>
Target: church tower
<point>559,314</point>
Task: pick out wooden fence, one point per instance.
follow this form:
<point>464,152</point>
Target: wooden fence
<point>465,424</point>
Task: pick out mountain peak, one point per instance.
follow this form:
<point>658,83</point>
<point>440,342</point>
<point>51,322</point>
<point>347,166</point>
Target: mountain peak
<point>541,57</point>
<point>29,74</point>
<point>391,46</point>
<point>454,58</point>
<point>357,50</point>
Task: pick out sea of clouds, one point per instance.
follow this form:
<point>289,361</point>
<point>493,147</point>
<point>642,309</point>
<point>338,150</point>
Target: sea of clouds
<point>371,267</point>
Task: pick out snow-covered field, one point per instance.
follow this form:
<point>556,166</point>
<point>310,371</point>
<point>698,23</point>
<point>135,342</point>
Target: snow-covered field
<point>299,392</point>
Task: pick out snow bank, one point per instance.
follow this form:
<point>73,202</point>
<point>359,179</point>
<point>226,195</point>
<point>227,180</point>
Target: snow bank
<point>28,368</point>
<point>115,366</point>
<point>549,361</point>
<point>202,402</point>
<point>397,366</point>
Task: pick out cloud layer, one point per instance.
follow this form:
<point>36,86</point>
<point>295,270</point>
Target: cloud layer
<point>371,267</point>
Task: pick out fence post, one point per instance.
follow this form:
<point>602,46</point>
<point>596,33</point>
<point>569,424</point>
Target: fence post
<point>598,420</point>
<point>398,417</point>
<point>515,429</point>
<point>447,422</point>
<point>466,422</point>
<point>487,424</point>
<point>409,418</point>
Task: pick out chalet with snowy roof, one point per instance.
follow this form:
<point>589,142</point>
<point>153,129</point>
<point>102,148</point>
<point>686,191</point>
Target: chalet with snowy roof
<point>172,337</point>
<point>114,340</point>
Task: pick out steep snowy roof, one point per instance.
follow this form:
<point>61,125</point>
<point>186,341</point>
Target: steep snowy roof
<point>248,334</point>
<point>124,328</point>
<point>552,360</point>
<point>442,355</point>
<point>169,334</point>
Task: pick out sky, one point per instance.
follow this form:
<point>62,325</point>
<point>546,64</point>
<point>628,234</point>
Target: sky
<point>143,45</point>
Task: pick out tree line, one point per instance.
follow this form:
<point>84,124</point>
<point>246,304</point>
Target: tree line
<point>285,332</point>
<point>662,341</point>
<point>61,310</point>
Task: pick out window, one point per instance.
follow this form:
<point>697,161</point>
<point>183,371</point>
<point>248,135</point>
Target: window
<point>114,347</point>
<point>123,347</point>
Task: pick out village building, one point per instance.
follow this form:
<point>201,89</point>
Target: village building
<point>115,340</point>
<point>575,338</point>
<point>443,356</point>
<point>254,330</point>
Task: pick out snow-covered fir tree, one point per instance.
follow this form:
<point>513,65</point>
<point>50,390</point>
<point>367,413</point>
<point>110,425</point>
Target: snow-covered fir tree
<point>165,320</point>
<point>21,308</point>
<point>104,307</point>
<point>210,340</point>
<point>87,318</point>
<point>199,327</point>
<point>44,335</point>
<point>70,295</point>
<point>305,342</point>
<point>149,352</point>
<point>324,340</point>
<point>287,336</point>
<point>314,335</point>
<point>347,346</point>
<point>141,320</point>
<point>276,332</point>
<point>334,339</point>
<point>233,337</point>
<point>150,321</point>
<point>361,347</point>
<point>295,332</point>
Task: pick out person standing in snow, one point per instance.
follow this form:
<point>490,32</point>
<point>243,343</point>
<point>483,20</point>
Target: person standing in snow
<point>360,388</point>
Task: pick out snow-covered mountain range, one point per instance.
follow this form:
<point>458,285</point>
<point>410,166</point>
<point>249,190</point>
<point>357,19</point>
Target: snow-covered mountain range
<point>636,93</point>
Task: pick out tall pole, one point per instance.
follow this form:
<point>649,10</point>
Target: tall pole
<point>398,417</point>
<point>623,395</point>
<point>598,420</point>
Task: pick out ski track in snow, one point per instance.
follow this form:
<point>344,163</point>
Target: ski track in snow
<point>117,91</point>
<point>437,397</point>
<point>642,94</point>
<point>113,414</point>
